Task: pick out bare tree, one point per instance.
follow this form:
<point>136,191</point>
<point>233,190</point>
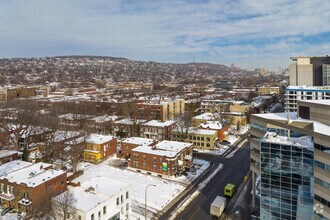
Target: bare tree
<point>183,125</point>
<point>63,206</point>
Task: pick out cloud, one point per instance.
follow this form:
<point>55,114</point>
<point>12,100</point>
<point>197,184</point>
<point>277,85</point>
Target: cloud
<point>168,31</point>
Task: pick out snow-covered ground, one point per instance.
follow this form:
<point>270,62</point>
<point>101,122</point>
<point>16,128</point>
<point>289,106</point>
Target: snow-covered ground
<point>158,197</point>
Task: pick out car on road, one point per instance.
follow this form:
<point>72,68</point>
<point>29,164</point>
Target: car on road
<point>229,190</point>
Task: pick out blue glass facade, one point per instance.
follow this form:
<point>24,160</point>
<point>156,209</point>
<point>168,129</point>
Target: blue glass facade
<point>286,181</point>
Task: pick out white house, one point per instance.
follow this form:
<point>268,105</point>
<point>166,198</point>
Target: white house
<point>101,198</point>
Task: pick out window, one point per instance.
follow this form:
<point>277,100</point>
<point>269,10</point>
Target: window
<point>79,217</point>
<point>144,157</point>
<point>154,159</point>
<point>104,210</point>
<point>144,166</point>
<point>154,167</point>
<point>127,196</point>
<point>92,216</point>
<point>48,187</point>
<point>121,198</point>
<point>62,181</point>
<point>2,188</point>
<point>127,206</point>
<point>198,138</point>
<point>208,139</point>
<point>117,201</point>
<point>54,183</point>
<point>99,214</point>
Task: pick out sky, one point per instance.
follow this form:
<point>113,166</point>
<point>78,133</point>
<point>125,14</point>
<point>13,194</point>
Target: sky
<point>249,33</point>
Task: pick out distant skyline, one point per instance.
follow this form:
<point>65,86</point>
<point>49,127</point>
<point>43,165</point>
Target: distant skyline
<point>249,33</point>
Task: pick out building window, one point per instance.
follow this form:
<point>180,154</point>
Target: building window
<point>99,214</point>
<point>2,188</point>
<point>127,206</point>
<point>117,201</point>
<point>144,166</point>
<point>208,139</point>
<point>62,181</point>
<point>154,159</point>
<point>48,187</point>
<point>127,195</point>
<point>104,210</point>
<point>144,157</point>
<point>121,199</point>
<point>92,216</point>
<point>154,167</point>
<point>79,217</point>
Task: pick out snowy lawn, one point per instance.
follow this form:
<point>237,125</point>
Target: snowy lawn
<point>158,196</point>
<point>200,165</point>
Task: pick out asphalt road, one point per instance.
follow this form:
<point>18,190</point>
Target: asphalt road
<point>236,166</point>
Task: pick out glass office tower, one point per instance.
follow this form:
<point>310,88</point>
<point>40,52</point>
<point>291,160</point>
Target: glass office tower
<point>286,177</point>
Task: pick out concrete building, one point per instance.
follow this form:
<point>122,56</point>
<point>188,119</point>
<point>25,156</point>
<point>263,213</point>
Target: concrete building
<point>100,198</point>
<point>307,71</point>
<point>326,74</point>
<point>165,158</point>
<point>290,156</point>
<point>295,93</point>
<point>25,186</point>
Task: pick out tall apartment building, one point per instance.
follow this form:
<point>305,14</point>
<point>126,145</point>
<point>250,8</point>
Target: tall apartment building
<point>307,70</point>
<point>295,93</point>
<point>290,155</point>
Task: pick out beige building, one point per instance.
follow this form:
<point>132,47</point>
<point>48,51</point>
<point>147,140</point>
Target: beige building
<point>301,72</point>
<point>297,145</point>
<point>265,90</point>
<point>9,93</point>
<point>240,106</point>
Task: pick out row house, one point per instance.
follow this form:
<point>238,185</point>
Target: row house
<point>157,129</point>
<point>214,106</point>
<point>73,121</point>
<point>200,138</point>
<point>25,186</point>
<point>127,144</point>
<point>165,158</point>
<point>99,147</point>
<point>100,198</point>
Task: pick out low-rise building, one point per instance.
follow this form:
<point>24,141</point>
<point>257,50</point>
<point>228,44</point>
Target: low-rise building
<point>128,127</point>
<point>165,158</point>
<point>8,155</point>
<point>100,198</point>
<point>240,106</point>
<point>215,126</point>
<point>127,144</point>
<point>200,138</point>
<point>99,147</point>
<point>266,90</point>
<point>26,186</point>
<point>157,129</point>
<point>199,119</point>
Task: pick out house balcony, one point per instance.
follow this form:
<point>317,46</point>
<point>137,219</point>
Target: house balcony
<point>7,197</point>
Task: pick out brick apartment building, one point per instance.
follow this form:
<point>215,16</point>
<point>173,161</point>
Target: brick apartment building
<point>8,155</point>
<point>25,186</point>
<point>127,144</point>
<point>157,129</point>
<point>165,158</point>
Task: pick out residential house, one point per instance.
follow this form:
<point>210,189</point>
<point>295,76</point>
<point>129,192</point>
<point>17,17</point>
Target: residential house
<point>127,144</point>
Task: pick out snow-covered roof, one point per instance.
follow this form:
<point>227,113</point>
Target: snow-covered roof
<point>74,116</point>
<point>206,116</point>
<point>6,153</point>
<point>33,175</point>
<point>193,130</point>
<point>304,141</point>
<point>33,131</point>
<point>98,138</point>
<point>64,135</point>
<point>164,148</point>
<point>138,141</point>
<point>321,102</point>
<point>96,191</point>
<point>104,118</point>
<point>214,125</point>
<point>75,141</point>
<point>156,123</point>
<point>129,121</point>
<point>13,166</point>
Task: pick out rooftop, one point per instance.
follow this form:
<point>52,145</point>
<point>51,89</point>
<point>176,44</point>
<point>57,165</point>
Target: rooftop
<point>98,139</point>
<point>138,141</point>
<point>164,148</point>
<point>33,174</point>
<point>96,191</point>
<point>304,141</point>
<point>5,153</point>
<point>156,123</point>
<point>13,166</point>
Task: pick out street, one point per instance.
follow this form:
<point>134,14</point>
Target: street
<point>236,166</point>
